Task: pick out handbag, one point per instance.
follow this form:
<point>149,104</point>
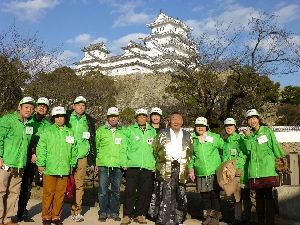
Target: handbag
<point>70,187</point>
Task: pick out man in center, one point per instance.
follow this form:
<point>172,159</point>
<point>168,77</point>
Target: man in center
<point>173,149</point>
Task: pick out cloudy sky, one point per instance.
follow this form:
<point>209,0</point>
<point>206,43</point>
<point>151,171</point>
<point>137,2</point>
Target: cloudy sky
<point>75,24</point>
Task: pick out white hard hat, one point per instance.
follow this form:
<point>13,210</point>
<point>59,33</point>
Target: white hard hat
<point>229,121</point>
<point>156,110</point>
<point>252,112</point>
<point>141,112</point>
<point>27,100</point>
<point>43,101</point>
<point>59,110</point>
<point>112,111</point>
<point>80,99</point>
<point>201,121</point>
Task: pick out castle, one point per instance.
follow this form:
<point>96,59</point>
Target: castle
<point>167,43</point>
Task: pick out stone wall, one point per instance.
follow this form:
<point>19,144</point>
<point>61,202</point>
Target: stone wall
<point>143,91</point>
<point>290,147</point>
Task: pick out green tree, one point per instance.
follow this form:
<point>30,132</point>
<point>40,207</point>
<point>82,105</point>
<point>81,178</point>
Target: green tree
<point>62,86</point>
<point>100,91</point>
<point>127,116</point>
<point>289,115</point>
<point>12,77</point>
<point>291,94</point>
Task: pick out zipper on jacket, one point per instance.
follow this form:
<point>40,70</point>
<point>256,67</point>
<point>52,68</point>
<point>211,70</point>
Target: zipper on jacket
<point>22,145</point>
<point>60,134</point>
<point>143,133</point>
<point>112,146</point>
<point>203,155</point>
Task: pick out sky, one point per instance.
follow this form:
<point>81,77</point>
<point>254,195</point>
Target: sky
<point>74,24</point>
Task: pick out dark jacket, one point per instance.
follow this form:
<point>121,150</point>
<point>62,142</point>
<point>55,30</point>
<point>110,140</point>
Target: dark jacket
<point>91,125</point>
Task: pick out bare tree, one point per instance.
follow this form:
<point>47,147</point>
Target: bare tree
<point>231,72</point>
<point>22,58</point>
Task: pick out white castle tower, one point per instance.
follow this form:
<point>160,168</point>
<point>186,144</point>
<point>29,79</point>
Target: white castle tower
<point>168,41</point>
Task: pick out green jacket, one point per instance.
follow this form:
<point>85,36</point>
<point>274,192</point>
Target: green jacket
<point>138,150</point>
<point>108,146</point>
<point>56,150</point>
<point>38,127</point>
<point>206,157</point>
<point>263,149</point>
<point>234,147</point>
<point>13,141</point>
<point>79,127</point>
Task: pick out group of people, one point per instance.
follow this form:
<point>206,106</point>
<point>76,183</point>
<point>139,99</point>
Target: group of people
<point>156,160</point>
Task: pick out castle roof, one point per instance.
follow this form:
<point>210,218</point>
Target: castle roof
<point>133,44</point>
<point>99,46</point>
<point>164,18</point>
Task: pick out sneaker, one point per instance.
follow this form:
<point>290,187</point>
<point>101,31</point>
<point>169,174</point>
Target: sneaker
<point>115,217</point>
<point>140,220</point>
<point>77,218</point>
<point>126,220</point>
<point>102,217</point>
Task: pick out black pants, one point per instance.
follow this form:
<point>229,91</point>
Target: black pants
<point>264,193</point>
<point>211,200</point>
<point>25,191</point>
<point>139,186</point>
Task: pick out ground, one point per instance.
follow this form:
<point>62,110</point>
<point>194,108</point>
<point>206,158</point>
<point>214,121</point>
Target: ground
<point>194,202</point>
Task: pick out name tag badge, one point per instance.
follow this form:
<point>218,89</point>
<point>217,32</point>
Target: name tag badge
<point>233,151</point>
<point>209,139</point>
<point>86,135</point>
<point>118,141</point>
<point>29,130</point>
<point>70,139</point>
<point>149,141</point>
<point>262,139</point>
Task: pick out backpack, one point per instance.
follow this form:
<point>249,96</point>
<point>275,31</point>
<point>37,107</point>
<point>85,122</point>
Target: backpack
<point>70,187</point>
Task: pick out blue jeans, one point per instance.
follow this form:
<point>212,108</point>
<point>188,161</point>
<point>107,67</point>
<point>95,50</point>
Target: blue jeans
<point>106,176</point>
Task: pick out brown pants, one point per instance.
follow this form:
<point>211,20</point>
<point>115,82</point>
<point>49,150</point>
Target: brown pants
<point>79,174</point>
<point>54,189</point>
<point>9,193</point>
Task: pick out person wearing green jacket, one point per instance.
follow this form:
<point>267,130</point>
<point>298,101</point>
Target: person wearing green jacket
<point>263,148</point>
<point>56,156</point>
<point>109,139</point>
<point>14,141</point>
<point>137,158</point>
<point>205,160</point>
<point>234,148</point>
<point>83,126</point>
<point>38,122</point>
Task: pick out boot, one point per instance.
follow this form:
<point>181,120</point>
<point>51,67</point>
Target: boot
<point>270,211</point>
<point>206,215</point>
<point>215,217</point>
<point>260,211</point>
